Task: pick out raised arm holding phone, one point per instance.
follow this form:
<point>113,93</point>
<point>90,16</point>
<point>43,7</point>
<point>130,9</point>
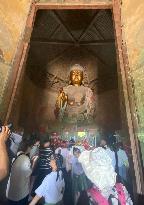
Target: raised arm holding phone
<point>4,161</point>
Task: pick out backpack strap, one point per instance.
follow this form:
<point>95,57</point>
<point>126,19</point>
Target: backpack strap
<point>17,157</point>
<point>121,194</point>
<point>110,199</point>
<point>97,196</point>
<point>101,200</point>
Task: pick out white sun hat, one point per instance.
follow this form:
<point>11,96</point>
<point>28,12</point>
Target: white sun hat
<point>98,168</point>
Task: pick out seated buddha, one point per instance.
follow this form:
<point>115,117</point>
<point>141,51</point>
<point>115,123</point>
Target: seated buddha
<point>75,102</point>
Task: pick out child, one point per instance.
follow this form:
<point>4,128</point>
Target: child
<point>52,187</point>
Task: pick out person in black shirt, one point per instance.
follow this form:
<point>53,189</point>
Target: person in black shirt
<point>59,159</point>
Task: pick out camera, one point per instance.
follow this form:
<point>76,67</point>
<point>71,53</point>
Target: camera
<point>10,126</point>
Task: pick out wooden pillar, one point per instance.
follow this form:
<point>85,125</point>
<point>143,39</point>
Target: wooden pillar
<point>127,89</point>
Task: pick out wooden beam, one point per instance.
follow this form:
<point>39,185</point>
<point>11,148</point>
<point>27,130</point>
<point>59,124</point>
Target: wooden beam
<point>19,60</point>
<point>87,28</point>
<point>60,20</point>
<point>55,31</point>
<point>97,43</point>
<point>97,5</point>
<point>46,41</point>
<point>70,43</point>
<point>99,33</point>
<point>109,13</point>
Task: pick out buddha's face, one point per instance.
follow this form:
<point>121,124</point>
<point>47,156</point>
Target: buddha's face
<point>76,77</point>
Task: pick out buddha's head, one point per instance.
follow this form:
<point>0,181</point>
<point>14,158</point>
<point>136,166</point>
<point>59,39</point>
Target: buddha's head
<point>76,75</point>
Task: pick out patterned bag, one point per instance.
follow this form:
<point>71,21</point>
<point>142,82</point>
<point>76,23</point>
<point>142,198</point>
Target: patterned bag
<point>119,196</point>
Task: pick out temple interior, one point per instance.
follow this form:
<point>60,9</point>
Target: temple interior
<point>61,38</point>
<point>72,73</point>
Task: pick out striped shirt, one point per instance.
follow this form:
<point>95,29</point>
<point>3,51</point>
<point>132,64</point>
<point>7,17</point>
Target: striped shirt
<point>44,158</point>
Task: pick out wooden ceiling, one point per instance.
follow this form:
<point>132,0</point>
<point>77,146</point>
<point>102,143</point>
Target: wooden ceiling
<point>58,31</point>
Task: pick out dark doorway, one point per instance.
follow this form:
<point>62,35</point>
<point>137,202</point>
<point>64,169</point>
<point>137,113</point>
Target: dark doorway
<point>59,39</point>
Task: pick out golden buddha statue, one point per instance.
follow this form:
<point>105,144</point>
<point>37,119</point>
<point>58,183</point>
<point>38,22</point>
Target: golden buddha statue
<point>75,102</point>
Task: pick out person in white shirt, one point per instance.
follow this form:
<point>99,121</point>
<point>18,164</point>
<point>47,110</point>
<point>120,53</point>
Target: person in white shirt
<point>110,152</point>
<point>18,184</point>
<point>52,187</point>
<point>123,163</point>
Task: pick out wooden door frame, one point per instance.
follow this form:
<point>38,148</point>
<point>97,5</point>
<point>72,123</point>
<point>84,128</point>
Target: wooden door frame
<point>128,96</point>
<point>18,70</point>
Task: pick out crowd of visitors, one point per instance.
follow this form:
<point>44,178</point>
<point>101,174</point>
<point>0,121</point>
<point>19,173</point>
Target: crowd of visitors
<point>42,174</point>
